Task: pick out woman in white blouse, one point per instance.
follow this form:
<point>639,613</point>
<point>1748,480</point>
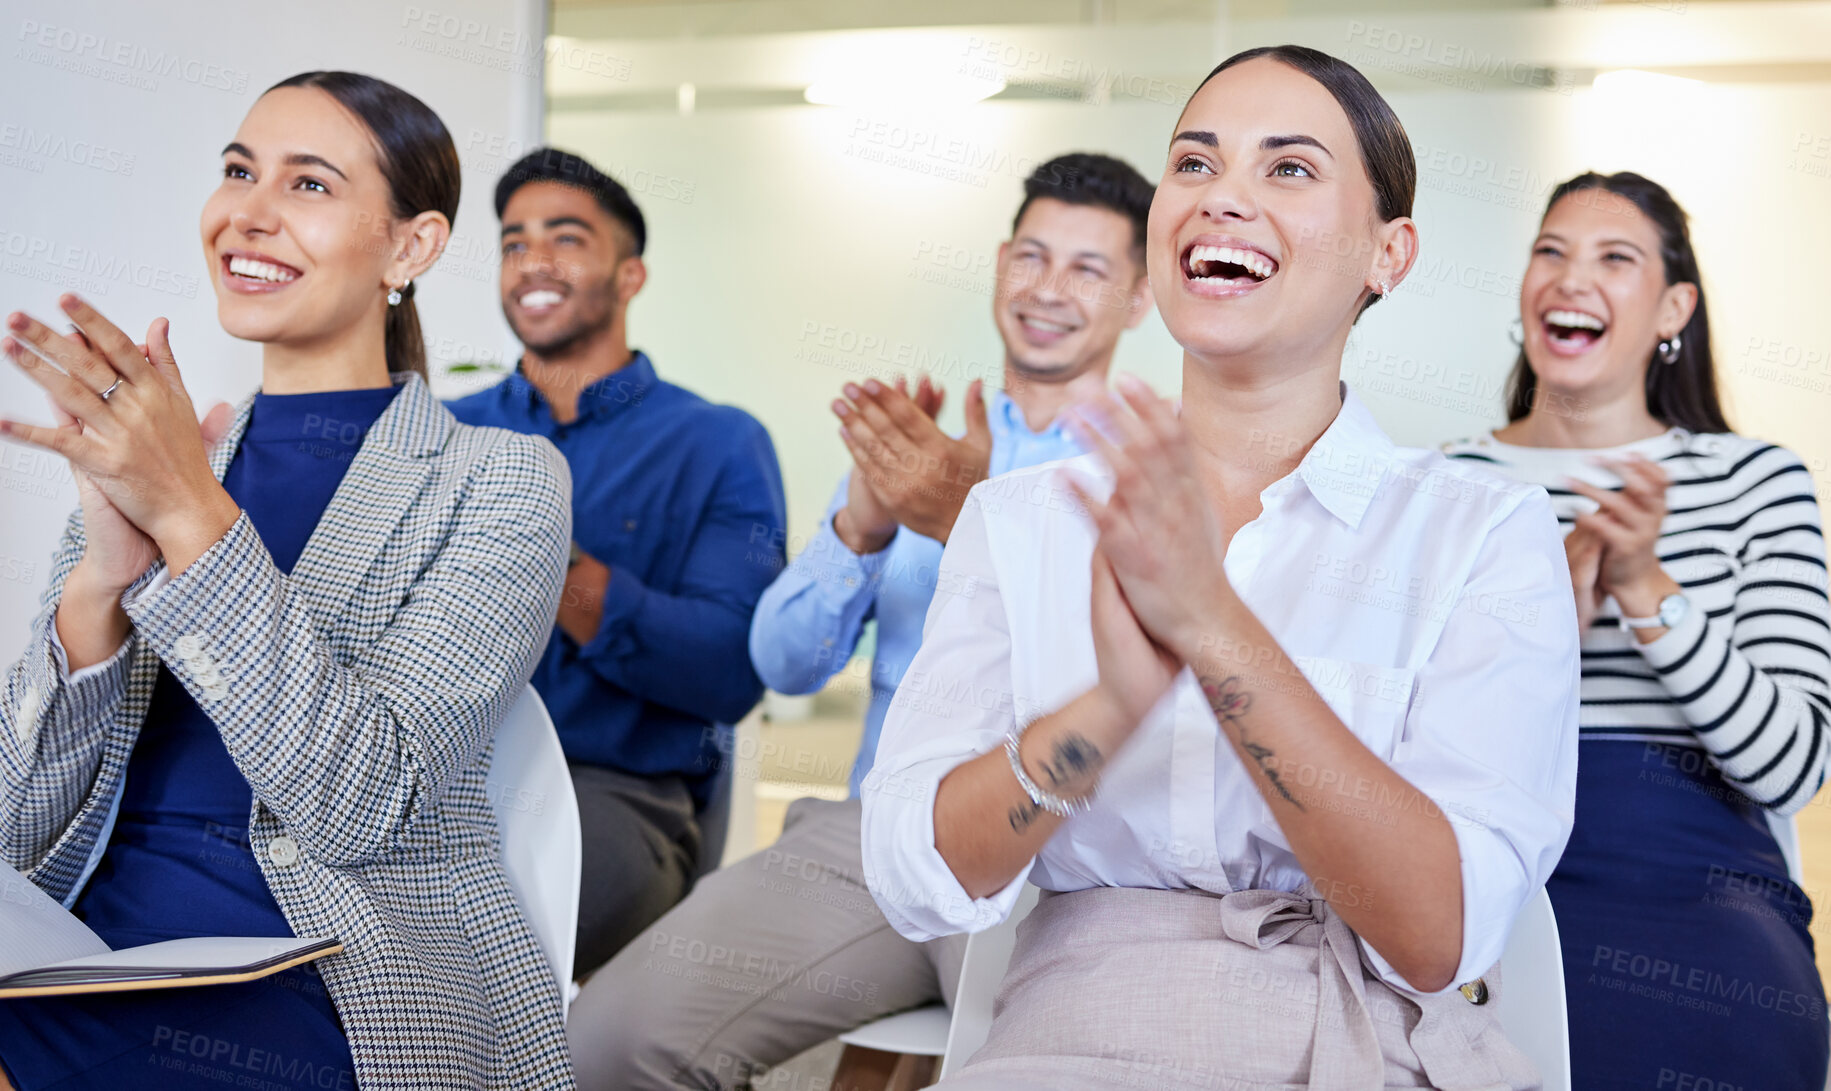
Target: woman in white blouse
<point>1280,716</point>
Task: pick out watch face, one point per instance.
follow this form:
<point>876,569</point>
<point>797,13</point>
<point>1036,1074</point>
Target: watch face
<point>1672,609</point>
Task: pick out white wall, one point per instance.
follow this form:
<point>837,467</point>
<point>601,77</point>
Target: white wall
<point>112,117</point>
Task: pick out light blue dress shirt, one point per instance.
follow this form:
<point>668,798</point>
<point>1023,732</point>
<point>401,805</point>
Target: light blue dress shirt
<point>810,619</point>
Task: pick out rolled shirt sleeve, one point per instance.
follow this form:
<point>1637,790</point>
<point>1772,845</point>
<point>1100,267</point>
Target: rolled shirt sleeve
<point>810,618</point>
<point>1491,736</point>
<point>966,647</point>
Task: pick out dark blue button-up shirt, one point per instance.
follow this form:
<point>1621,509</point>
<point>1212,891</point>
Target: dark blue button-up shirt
<point>682,499</point>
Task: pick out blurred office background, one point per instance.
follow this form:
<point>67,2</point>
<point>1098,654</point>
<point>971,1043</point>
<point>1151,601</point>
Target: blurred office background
<point>827,181</point>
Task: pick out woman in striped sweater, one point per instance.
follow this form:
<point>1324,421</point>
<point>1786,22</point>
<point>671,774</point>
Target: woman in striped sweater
<point>1698,564</point>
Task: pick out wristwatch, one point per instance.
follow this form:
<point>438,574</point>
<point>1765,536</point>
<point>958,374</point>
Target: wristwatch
<point>1672,610</point>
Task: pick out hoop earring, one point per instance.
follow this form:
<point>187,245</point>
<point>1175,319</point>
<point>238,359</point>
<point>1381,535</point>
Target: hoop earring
<point>1516,331</point>
<point>1668,349</point>
<point>395,295</point>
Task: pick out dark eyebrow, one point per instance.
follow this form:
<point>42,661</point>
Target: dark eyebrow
<point>561,221</point>
<point>1629,243</point>
<point>1032,240</point>
<point>297,159</point>
<point>557,221</point>
<point>1272,143</point>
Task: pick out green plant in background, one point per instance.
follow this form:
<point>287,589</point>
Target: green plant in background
<point>471,367</point>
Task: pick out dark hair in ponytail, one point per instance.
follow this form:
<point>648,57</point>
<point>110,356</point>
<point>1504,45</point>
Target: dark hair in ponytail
<point>419,162</point>
<point>1684,392</point>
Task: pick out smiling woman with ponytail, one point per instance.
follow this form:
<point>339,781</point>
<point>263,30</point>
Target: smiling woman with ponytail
<point>261,694</point>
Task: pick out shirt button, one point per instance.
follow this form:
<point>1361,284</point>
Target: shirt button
<point>189,646</point>
<point>1475,992</point>
<point>284,851</point>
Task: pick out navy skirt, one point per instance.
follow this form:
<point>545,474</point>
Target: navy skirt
<point>279,1033</point>
<point>1686,955</point>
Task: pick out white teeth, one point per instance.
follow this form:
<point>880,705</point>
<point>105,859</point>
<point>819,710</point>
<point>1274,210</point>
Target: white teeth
<point>1575,320</point>
<point>1045,325</point>
<point>544,297</point>
<point>1253,262</point>
<point>260,270</point>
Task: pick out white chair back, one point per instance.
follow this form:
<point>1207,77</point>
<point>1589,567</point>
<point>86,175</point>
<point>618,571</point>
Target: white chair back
<point>538,818</point>
<point>1532,1008</point>
<point>988,955</point>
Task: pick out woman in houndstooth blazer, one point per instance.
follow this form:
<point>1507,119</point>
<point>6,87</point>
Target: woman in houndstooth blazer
<point>349,667</point>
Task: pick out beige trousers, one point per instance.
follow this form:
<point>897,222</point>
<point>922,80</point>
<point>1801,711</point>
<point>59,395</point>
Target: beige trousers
<point>770,956</point>
<point>1116,987</point>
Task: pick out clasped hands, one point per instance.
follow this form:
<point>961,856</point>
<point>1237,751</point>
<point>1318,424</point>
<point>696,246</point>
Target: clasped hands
<point>1613,551</point>
<point>135,447</point>
<point>1160,591</point>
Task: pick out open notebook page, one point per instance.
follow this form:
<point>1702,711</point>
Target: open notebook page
<point>37,930</point>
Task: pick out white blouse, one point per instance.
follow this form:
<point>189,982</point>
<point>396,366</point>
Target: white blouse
<point>1427,601</point>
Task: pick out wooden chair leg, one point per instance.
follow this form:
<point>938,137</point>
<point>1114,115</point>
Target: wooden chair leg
<point>915,1072</point>
<point>862,1069</point>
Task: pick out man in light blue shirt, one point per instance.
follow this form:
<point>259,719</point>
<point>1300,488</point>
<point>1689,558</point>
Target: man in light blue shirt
<point>786,948</point>
<point>810,619</point>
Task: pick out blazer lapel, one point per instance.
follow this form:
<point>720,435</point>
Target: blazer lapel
<point>384,480</point>
<point>224,452</point>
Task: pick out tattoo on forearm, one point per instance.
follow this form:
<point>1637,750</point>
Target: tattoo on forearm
<point>1071,766</point>
<point>1074,761</point>
<point>1230,701</point>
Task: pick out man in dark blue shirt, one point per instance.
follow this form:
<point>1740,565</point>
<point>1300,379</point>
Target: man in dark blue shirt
<point>678,520</point>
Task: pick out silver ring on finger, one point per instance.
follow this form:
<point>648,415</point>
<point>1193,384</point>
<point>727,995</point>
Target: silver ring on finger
<point>110,390</point>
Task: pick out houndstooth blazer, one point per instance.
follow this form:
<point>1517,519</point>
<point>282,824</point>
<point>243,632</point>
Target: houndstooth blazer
<point>359,696</point>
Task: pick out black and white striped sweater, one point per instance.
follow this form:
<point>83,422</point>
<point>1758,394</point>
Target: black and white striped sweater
<point>1747,675</point>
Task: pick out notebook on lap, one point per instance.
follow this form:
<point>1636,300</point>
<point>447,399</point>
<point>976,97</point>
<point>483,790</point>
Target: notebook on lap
<point>45,951</point>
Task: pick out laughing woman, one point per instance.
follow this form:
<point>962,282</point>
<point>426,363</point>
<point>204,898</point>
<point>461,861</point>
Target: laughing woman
<point>1699,568</point>
<point>1284,722</point>
<point>261,694</point>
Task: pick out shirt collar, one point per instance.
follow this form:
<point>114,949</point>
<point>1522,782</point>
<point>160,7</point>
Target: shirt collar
<point>1344,467</point>
<point>1007,419</point>
<point>624,386</point>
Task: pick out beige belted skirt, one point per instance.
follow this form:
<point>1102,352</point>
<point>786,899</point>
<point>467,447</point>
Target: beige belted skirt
<point>1120,987</point>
